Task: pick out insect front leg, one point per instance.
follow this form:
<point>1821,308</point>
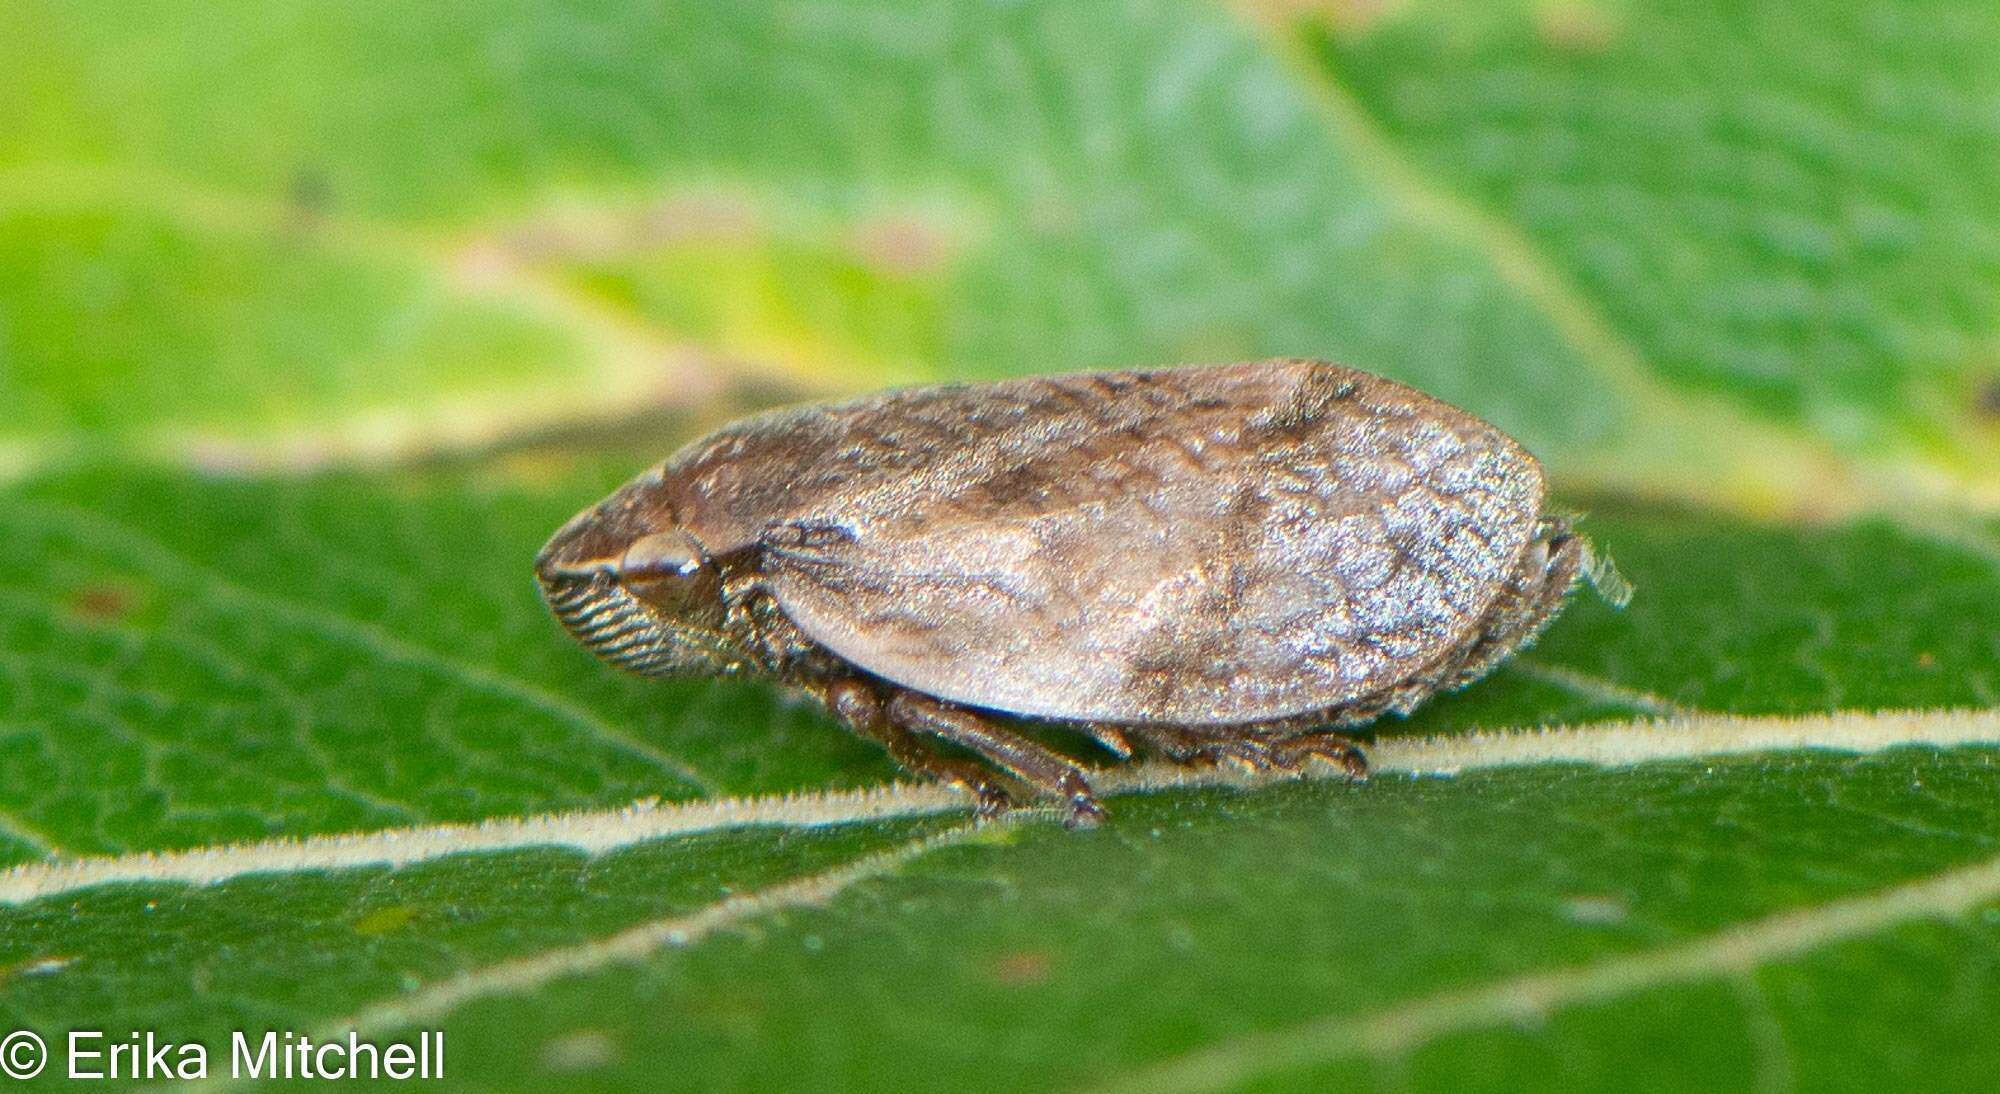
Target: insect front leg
<point>1031,763</point>
<point>858,706</point>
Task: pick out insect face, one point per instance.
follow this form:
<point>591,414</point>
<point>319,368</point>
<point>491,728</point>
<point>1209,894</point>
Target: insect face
<point>636,590</point>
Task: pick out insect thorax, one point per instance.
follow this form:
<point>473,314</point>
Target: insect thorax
<point>768,639</point>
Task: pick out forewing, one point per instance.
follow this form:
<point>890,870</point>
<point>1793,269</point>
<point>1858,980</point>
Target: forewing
<point>1211,546</point>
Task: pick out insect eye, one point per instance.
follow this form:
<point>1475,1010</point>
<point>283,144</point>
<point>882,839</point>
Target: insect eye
<point>667,568</point>
<point>661,555</point>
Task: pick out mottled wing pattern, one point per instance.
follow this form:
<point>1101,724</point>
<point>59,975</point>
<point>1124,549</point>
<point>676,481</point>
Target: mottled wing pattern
<point>1202,546</point>
<point>733,485</point>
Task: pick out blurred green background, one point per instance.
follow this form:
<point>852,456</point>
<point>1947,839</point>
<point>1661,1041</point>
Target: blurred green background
<point>316,318</point>
<point>292,232</point>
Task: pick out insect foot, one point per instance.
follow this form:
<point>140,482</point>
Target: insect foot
<point>1258,753</point>
<point>1213,562</point>
<point>1330,749</point>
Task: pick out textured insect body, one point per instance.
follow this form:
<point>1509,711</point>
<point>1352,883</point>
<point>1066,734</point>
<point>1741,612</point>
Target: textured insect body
<point>1220,563</point>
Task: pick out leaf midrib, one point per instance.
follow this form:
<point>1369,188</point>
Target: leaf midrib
<point>1613,745</point>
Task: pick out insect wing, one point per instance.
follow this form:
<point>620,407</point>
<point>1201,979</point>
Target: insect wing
<point>1218,546</point>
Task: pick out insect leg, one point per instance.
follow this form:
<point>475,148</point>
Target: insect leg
<point>1173,743</point>
<point>1033,764</point>
<point>1187,746</point>
<point>1109,737</point>
<point>1330,748</point>
<point>1257,750</point>
<point>861,710</point>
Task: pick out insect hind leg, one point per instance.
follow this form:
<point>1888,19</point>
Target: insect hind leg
<point>1190,747</point>
<point>1280,747</point>
<point>1040,768</point>
<point>1332,749</point>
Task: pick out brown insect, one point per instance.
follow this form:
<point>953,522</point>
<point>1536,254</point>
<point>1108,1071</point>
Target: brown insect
<point>1220,564</point>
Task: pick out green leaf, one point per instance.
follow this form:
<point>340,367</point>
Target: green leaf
<point>193,663</point>
<point>315,324</point>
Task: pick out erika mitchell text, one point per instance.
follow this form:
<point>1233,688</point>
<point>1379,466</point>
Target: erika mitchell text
<point>276,1054</point>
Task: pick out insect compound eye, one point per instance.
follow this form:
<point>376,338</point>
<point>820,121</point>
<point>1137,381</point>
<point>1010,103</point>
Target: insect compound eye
<point>668,569</point>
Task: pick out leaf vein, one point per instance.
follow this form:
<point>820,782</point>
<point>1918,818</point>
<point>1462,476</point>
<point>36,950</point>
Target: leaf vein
<point>1609,744</point>
<point>1735,951</point>
<point>1591,686</point>
<point>528,972</point>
